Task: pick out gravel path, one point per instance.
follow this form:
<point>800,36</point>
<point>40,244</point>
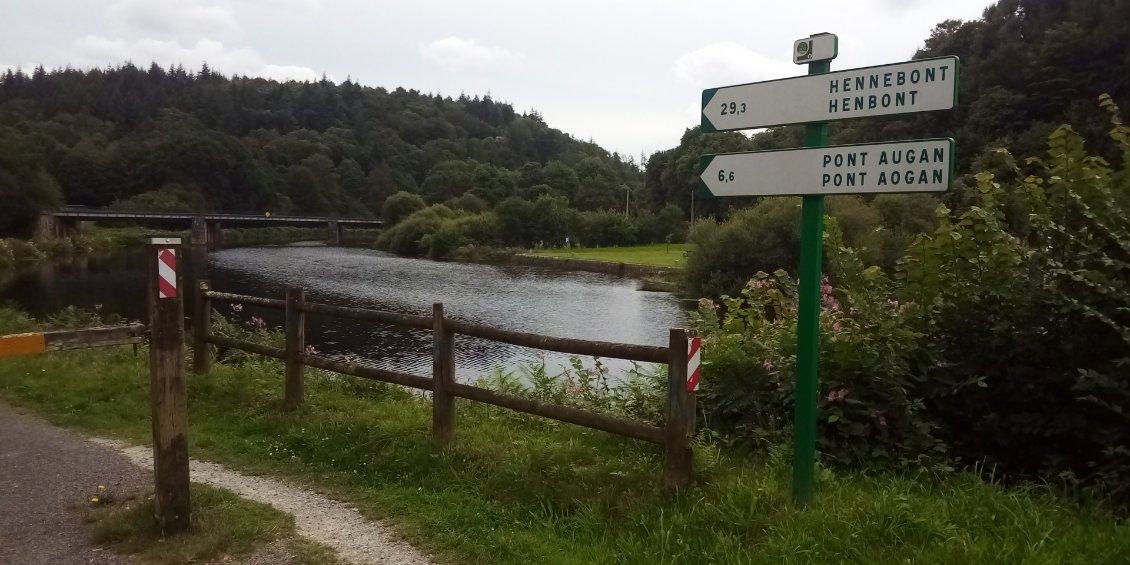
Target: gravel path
<point>46,475</point>
<point>325,521</point>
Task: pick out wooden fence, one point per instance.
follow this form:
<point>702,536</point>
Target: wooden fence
<point>675,436</point>
<point>39,342</point>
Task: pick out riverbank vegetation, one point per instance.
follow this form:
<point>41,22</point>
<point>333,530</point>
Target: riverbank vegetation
<point>440,231</point>
<point>999,340</point>
<point>597,498</point>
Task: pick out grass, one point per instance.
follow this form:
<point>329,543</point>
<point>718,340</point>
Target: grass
<point>513,489</point>
<point>659,255</point>
<point>223,525</point>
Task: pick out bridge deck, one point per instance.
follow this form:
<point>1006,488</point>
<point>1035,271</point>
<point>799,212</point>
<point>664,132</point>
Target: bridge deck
<point>93,215</point>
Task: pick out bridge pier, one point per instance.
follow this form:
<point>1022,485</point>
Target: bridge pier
<point>215,235</point>
<point>198,240</point>
<point>51,227</point>
<point>333,233</point>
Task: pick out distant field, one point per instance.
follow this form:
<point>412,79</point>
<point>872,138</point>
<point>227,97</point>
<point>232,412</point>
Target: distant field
<point>660,255</point>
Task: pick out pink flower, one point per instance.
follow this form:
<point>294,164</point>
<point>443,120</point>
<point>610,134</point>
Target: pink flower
<point>836,326</point>
<point>311,350</point>
<point>236,307</point>
<point>257,323</point>
<point>767,364</point>
<point>836,395</point>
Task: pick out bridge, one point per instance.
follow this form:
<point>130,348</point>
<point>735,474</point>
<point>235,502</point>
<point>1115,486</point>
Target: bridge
<point>205,226</point>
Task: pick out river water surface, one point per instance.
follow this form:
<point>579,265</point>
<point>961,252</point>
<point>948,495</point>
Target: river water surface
<point>528,299</point>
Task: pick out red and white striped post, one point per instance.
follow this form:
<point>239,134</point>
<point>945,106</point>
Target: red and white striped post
<point>167,394</point>
<point>166,272</point>
<point>694,363</point>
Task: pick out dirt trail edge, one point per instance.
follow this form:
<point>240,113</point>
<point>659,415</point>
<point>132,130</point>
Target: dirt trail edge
<point>321,519</point>
<point>47,474</point>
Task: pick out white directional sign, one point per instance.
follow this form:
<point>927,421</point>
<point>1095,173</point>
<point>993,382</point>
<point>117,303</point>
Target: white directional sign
<point>899,166</point>
<point>913,86</point>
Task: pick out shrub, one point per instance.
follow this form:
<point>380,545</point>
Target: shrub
<point>453,233</point>
<point>872,411</point>
<point>399,206</point>
<point>469,203</point>
<point>605,228</point>
<point>408,236</point>
<point>763,238</point>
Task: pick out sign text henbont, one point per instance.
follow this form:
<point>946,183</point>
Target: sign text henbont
<point>912,86</point>
<point>900,166</point>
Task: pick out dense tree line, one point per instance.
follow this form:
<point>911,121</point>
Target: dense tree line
<point>1026,67</point>
<point>173,139</point>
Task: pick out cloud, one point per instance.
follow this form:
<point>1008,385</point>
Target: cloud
<point>287,4</point>
<point>456,53</point>
<point>97,51</point>
<point>720,64</point>
<point>181,19</point>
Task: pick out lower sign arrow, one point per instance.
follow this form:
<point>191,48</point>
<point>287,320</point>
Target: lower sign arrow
<point>900,166</point>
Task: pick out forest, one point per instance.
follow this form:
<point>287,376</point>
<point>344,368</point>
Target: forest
<point>171,139</point>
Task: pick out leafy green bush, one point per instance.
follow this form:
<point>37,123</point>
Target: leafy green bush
<point>605,228</point>
<point>453,233</point>
<point>408,237</point>
<point>1042,320</point>
<point>765,238</point>
<point>872,411</point>
<point>400,206</point>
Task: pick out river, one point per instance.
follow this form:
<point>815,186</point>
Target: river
<point>528,299</point>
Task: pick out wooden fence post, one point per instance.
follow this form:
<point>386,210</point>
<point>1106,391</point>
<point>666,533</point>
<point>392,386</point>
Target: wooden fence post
<point>168,397</point>
<point>677,446</point>
<point>201,327</point>
<point>443,375</point>
<point>295,347</point>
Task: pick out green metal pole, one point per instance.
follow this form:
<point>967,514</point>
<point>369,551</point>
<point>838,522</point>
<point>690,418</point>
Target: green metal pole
<point>808,323</point>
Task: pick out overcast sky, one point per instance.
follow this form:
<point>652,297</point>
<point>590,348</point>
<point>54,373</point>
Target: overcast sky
<point>627,74</point>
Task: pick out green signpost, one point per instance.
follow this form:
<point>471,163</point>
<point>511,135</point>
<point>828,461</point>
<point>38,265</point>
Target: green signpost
<point>923,165</point>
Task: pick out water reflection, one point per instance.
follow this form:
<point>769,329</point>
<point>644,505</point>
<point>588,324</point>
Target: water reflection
<point>555,303</point>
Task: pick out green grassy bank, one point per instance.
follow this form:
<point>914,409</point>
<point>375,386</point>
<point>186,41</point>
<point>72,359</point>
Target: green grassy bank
<point>513,489</point>
<point>659,255</point>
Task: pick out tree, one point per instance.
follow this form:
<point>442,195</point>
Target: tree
<point>400,206</point>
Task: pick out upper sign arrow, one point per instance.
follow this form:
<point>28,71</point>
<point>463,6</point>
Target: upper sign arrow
<point>899,88</point>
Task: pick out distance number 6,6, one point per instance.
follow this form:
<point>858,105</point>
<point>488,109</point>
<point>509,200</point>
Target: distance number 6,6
<point>724,176</point>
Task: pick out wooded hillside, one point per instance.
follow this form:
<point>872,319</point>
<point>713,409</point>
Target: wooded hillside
<point>176,139</point>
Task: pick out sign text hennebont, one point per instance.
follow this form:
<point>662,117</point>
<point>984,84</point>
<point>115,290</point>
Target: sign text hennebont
<point>913,86</point>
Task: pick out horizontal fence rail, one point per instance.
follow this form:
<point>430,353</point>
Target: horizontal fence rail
<point>40,342</point>
<point>674,436</point>
<point>644,353</point>
<point>611,424</point>
<point>244,299</point>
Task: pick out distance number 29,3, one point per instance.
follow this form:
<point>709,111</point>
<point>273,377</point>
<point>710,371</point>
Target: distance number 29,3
<point>733,108</point>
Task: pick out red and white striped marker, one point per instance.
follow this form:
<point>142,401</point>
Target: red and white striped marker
<point>694,363</point>
<point>166,273</point>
